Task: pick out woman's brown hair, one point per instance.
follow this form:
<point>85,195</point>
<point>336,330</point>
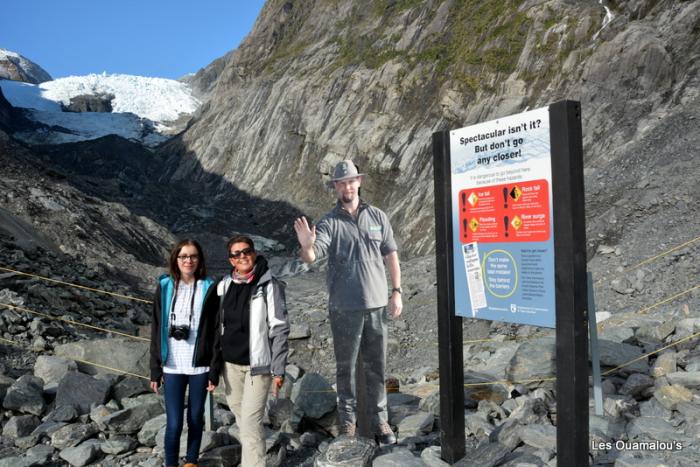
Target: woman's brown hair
<point>240,239</point>
<point>174,271</point>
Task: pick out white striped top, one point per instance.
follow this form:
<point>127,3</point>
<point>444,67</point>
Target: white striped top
<point>180,352</point>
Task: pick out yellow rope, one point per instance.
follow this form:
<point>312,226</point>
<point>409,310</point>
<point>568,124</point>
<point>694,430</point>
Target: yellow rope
<point>75,323</point>
<point>644,310</point>
<point>116,370</point>
<point>76,285</point>
<point>661,254</point>
<point>615,319</point>
<point>680,341</point>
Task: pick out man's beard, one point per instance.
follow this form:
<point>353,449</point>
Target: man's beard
<point>345,198</point>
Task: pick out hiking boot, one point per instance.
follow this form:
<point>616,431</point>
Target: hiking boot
<point>385,436</point>
<point>347,429</point>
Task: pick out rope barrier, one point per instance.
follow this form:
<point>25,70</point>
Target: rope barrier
<point>645,310</point>
<point>600,326</point>
<point>466,385</point>
<point>129,297</point>
<point>74,323</point>
<point>646,261</point>
<point>78,286</point>
<point>680,341</point>
<point>615,319</point>
<point>473,341</point>
<point>116,370</point>
<point>661,254</point>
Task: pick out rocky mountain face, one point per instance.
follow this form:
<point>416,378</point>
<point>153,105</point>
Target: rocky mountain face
<point>18,68</point>
<point>319,81</point>
<point>108,202</point>
<point>39,205</point>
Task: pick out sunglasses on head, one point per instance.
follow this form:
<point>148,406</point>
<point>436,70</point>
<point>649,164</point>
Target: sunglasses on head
<point>237,254</point>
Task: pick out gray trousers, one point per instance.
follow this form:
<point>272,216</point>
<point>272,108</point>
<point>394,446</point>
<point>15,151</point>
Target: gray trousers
<point>352,330</point>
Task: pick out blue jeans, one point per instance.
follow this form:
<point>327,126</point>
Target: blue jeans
<point>174,386</point>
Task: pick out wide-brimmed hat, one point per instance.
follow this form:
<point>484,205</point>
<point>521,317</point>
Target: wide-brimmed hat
<point>344,170</point>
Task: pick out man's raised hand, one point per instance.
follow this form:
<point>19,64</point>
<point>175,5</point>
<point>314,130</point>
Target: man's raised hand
<point>305,234</point>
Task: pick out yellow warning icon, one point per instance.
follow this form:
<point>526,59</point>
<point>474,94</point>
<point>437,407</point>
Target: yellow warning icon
<point>473,199</point>
<point>474,224</point>
<point>515,193</point>
<point>516,223</point>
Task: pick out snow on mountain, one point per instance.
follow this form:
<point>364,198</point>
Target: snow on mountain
<point>27,95</point>
<point>143,108</point>
<point>18,68</point>
<point>157,99</point>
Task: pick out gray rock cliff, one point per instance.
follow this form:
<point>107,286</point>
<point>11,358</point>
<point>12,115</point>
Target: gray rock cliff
<point>319,81</point>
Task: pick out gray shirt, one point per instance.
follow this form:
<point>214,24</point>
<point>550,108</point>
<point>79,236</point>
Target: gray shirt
<point>355,249</point>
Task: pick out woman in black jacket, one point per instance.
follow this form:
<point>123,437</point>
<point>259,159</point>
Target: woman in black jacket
<point>251,343</point>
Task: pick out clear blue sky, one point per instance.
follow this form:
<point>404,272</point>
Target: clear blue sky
<point>160,38</point>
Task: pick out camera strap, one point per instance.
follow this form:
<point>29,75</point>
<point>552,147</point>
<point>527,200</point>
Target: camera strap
<point>172,308</point>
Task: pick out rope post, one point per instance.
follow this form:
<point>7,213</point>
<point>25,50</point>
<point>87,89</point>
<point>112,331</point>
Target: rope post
<point>570,279</point>
<point>595,353</point>
<point>451,358</point>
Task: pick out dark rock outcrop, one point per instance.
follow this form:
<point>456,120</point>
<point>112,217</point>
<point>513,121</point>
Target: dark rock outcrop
<point>90,103</point>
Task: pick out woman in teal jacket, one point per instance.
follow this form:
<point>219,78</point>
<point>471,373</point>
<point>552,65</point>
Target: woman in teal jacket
<point>182,337</point>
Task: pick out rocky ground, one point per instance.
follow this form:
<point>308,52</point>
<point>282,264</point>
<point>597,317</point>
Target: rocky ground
<point>59,410</point>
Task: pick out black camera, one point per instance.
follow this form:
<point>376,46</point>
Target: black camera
<point>179,333</point>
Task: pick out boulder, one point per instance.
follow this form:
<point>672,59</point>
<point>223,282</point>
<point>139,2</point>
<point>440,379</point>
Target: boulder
<point>21,425</point>
<point>415,425</point>
<point>90,103</point>
<point>224,456</point>
<point>432,456</point>
<point>63,413</point>
<point>689,379</point>
<point>532,362</point>
<point>131,420</point>
<point>313,396</point>
<point>123,354</point>
<point>346,451</point>
<point>16,461</point>
<point>615,354</point>
<point>650,428</point>
<point>73,434</point>
<point>5,383</point>
<point>147,434</point>
<point>400,406</point>
<point>474,391</point>
<point>119,445</point>
<point>26,395</point>
<point>399,457</point>
<point>636,384</point>
<point>81,391</point>
<point>83,454</point>
<point>41,453</point>
<point>540,436</point>
<point>485,455</point>
<point>129,387</point>
<point>671,396</point>
<point>664,364</point>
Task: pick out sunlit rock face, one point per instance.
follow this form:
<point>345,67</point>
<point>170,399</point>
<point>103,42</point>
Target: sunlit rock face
<point>16,67</point>
<point>316,82</point>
